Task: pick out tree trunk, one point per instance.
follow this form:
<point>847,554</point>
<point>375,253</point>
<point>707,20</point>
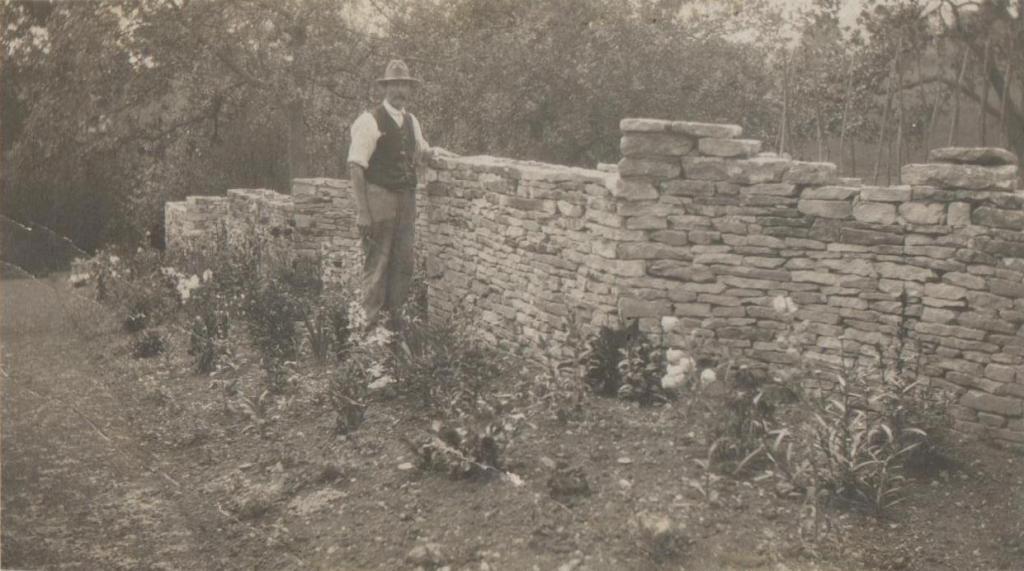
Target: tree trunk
<point>818,130</point>
<point>954,124</point>
<point>1006,91</point>
<point>983,111</point>
<point>853,158</point>
<point>899,125</point>
<point>784,127</point>
<point>881,130</point>
<point>846,113</point>
<point>298,158</point>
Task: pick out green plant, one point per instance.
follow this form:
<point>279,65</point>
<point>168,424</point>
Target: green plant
<point>602,357</point>
<point>858,455</point>
<point>208,336</point>
<point>327,328</point>
<point>467,449</point>
<point>641,369</point>
<point>447,367</point>
<point>256,412</point>
<point>347,395</point>
<point>748,407</point>
<point>623,362</point>
<point>272,312</point>
<point>148,344</point>
<point>341,332</point>
<point>705,485</point>
<point>561,383</point>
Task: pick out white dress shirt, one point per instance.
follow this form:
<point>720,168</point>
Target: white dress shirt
<point>365,133</point>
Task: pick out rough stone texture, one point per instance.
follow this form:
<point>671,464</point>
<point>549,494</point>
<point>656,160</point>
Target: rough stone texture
<point>826,208</point>
<point>811,173</point>
<point>655,144</point>
<point>971,177</point>
<point>999,218</point>
<point>923,213</point>
<point>716,245</point>
<point>729,147</point>
<point>696,130</point>
<point>649,167</point>
<point>874,212</point>
<point>991,156</point>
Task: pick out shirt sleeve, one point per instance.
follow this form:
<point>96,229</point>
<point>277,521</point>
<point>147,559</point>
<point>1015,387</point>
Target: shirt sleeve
<point>421,143</point>
<point>364,135</point>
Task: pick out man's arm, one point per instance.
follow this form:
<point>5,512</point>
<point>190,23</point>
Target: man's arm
<point>364,134</point>
<point>357,175</point>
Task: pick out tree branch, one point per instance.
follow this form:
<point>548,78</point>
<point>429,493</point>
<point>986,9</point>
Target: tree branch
<point>964,89</point>
<point>233,66</point>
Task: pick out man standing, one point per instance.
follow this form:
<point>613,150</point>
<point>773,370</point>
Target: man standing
<point>386,143</point>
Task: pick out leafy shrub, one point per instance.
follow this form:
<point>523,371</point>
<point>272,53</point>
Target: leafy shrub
<point>623,362</point>
<point>207,338</point>
<point>641,369</point>
<point>327,329</point>
<point>604,352</point>
<point>256,411</point>
<point>854,449</point>
<point>341,333</point>
<point>148,344</point>
<point>858,453</point>
<point>347,395</point>
<point>749,417</point>
<point>468,449</point>
<point>447,367</point>
<point>272,312</point>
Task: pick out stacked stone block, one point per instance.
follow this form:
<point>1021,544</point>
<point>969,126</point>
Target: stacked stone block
<point>524,243</point>
<point>192,221</point>
<point>697,223</point>
<point>937,262</point>
<point>325,224</point>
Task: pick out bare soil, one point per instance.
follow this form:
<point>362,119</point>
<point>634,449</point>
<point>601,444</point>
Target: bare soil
<point>114,463</point>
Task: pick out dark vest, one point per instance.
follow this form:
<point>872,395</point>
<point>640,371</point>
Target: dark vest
<point>393,162</point>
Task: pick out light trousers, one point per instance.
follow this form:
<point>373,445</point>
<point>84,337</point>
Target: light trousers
<point>388,252</point>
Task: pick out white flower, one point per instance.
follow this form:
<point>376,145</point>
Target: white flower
<point>675,355</point>
<point>207,275</point>
<point>114,259</point>
<point>672,380</point>
<point>708,376</point>
<point>78,279</point>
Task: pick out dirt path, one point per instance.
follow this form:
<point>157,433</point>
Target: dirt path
<point>80,491</point>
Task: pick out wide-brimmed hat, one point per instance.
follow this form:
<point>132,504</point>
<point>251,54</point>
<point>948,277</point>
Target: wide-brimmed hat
<point>397,70</point>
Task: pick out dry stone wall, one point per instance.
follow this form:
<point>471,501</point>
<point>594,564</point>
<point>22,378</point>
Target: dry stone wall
<point>744,237</point>
<point>697,230</point>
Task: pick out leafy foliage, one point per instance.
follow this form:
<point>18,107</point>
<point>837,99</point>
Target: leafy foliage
<point>466,449</point>
<point>623,362</point>
<point>148,344</point>
<point>448,367</point>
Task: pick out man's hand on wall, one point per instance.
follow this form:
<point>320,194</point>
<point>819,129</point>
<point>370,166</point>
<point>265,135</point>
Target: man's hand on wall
<point>440,152</point>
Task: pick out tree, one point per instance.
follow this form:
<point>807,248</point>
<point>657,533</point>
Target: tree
<point>551,80</point>
<point>120,105</point>
<point>971,50</point>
